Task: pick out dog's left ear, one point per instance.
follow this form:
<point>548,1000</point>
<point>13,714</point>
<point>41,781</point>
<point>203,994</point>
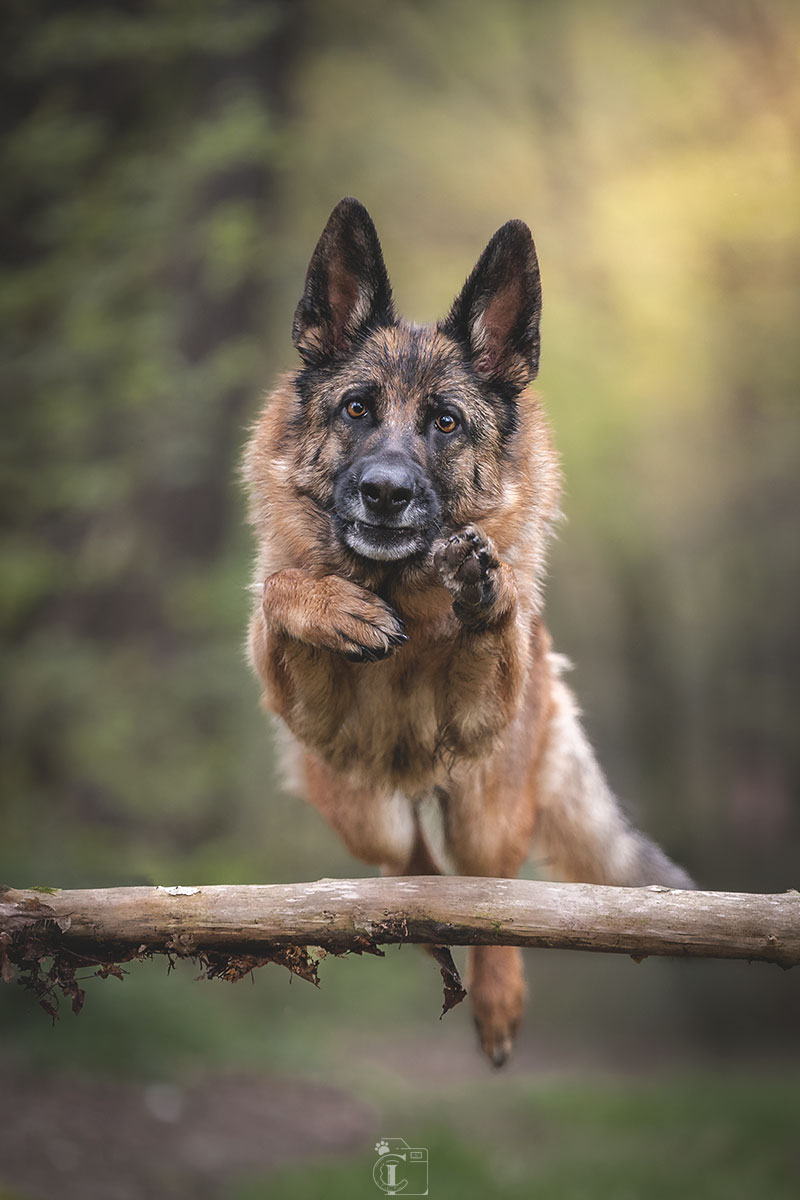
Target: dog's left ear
<point>347,289</point>
<point>496,316</point>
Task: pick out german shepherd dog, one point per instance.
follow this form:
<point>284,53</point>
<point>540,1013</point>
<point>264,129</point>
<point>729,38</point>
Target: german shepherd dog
<point>402,486</point>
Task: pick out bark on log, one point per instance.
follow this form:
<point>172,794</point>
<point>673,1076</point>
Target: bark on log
<point>342,914</point>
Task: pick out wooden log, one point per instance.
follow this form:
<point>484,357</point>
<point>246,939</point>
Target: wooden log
<point>347,914</point>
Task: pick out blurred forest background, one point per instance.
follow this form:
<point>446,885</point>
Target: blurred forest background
<point>167,167</point>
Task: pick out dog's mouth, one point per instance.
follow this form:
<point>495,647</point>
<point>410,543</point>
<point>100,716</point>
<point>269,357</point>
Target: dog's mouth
<point>384,543</point>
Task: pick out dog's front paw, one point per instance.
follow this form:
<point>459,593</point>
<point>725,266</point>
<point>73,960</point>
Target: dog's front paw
<point>369,637</point>
<point>360,625</point>
<point>333,614</point>
<point>468,566</point>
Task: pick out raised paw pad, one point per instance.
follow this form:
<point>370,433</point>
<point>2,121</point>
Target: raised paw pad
<point>466,563</point>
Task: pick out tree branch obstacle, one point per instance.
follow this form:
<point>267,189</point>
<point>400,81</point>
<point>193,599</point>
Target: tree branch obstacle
<point>230,930</point>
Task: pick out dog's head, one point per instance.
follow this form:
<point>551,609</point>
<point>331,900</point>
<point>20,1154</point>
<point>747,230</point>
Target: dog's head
<point>405,428</point>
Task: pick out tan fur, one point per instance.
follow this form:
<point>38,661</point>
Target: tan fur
<point>471,709</point>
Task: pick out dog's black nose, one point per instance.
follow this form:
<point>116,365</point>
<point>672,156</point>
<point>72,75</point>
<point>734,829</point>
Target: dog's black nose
<point>386,489</point>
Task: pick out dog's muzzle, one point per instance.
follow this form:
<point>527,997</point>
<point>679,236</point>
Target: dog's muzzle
<point>386,511</point>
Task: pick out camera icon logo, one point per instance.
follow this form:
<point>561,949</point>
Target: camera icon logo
<point>401,1170</point>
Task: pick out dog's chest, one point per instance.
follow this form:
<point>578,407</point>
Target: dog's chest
<point>389,730</point>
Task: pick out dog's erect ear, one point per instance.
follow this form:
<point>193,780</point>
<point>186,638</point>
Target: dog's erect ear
<point>347,289</point>
<point>496,316</point>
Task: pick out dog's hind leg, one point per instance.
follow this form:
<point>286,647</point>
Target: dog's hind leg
<point>420,860</point>
<point>378,827</point>
<point>382,829</point>
<point>487,827</point>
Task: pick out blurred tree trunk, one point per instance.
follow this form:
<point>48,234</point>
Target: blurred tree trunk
<point>142,179</point>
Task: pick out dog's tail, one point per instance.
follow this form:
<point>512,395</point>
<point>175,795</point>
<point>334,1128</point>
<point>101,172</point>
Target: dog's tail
<point>581,832</point>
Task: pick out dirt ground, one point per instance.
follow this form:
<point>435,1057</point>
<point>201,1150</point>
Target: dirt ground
<point>88,1139</point>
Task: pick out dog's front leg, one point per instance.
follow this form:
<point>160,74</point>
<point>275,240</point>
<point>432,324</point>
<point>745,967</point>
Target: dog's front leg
<point>301,628</point>
<point>483,588</point>
<point>331,613</point>
<point>485,670</point>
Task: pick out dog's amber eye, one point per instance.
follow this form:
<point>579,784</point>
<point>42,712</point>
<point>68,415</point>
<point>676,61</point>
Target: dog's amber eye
<point>446,423</point>
<point>356,409</point>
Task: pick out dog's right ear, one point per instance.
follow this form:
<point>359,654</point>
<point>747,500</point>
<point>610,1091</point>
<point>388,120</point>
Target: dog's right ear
<point>347,290</point>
